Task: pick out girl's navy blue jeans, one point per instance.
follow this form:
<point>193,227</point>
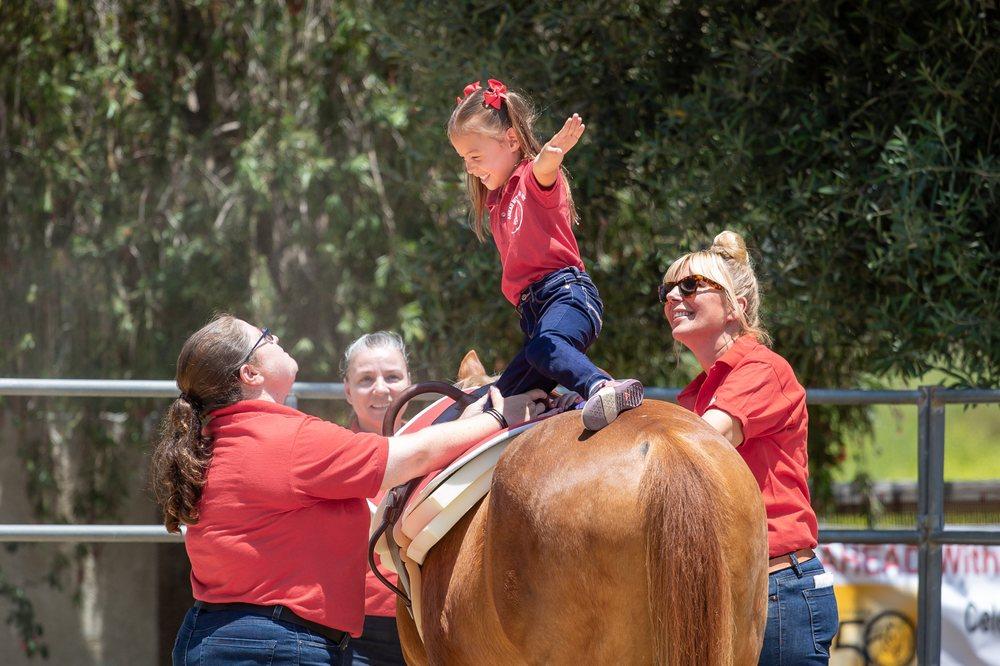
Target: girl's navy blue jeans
<point>561,318</point>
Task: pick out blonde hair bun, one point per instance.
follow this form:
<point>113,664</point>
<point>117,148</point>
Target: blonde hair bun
<point>730,244</point>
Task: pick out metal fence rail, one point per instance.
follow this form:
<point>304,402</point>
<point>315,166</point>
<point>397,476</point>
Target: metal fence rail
<point>928,535</point>
<point>89,534</point>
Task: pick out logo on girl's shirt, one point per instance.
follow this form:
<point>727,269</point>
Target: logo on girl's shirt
<point>515,212</point>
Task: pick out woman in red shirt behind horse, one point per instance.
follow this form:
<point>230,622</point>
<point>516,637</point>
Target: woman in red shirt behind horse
<point>376,372</point>
<point>750,395</point>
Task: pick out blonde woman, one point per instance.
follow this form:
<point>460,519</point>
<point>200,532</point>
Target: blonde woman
<point>750,394</point>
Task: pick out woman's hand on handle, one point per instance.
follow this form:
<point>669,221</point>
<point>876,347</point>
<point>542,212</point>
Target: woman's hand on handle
<point>548,161</point>
<point>432,448</point>
<point>476,408</point>
<point>519,408</point>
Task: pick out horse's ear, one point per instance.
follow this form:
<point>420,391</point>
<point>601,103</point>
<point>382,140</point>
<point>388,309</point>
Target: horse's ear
<point>470,366</point>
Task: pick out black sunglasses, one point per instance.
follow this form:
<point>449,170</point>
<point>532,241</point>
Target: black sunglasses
<point>265,336</point>
<point>688,286</point>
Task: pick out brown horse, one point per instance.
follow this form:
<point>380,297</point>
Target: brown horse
<point>642,543</point>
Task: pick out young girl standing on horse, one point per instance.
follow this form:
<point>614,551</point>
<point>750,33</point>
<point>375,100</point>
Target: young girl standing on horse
<point>523,188</point>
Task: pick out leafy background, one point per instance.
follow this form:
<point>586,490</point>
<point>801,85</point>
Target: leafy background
<point>161,161</point>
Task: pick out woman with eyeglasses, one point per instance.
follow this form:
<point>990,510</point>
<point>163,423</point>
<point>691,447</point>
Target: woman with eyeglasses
<point>750,395</point>
<point>274,499</point>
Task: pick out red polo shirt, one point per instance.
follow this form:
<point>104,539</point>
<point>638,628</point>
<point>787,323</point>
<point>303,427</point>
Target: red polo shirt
<point>283,516</point>
<point>758,388</point>
<point>379,600</point>
<point>532,229</point>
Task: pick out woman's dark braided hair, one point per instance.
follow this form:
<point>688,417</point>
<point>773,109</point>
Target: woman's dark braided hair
<point>208,376</point>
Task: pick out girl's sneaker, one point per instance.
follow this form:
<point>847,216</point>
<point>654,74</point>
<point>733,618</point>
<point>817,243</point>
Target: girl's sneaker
<point>614,397</point>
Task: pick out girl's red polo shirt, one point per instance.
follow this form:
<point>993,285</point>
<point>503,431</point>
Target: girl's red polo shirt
<point>758,388</point>
<point>283,516</point>
<point>532,229</point>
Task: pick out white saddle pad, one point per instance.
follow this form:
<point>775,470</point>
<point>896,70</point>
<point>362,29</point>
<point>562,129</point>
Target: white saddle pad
<point>443,502</point>
<point>440,504</point>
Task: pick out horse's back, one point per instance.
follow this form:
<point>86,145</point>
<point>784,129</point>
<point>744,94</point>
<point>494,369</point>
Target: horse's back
<point>561,543</point>
<point>554,565</point>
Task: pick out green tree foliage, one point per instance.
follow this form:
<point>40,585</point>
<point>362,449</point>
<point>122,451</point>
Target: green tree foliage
<point>160,161</point>
<point>854,143</point>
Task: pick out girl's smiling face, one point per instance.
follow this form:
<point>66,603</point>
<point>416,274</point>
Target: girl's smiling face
<point>490,159</point>
<point>374,380</point>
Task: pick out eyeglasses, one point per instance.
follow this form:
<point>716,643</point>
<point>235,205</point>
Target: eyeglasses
<point>688,286</point>
<point>265,337</point>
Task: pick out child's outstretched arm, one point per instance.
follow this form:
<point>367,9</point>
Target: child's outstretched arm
<point>547,162</point>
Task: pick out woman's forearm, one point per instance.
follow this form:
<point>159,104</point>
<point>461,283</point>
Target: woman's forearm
<point>433,447</point>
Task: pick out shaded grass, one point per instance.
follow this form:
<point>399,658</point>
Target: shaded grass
<point>972,445</point>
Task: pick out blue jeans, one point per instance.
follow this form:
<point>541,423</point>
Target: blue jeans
<point>561,319</point>
<point>236,637</point>
<point>378,645</point>
<point>802,619</point>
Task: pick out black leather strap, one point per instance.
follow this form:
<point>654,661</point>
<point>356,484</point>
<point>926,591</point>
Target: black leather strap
<point>277,613</point>
<point>396,497</point>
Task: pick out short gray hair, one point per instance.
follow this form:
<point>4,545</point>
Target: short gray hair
<point>376,340</point>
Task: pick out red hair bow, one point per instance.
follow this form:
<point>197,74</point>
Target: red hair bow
<point>468,90</point>
<point>495,95</point>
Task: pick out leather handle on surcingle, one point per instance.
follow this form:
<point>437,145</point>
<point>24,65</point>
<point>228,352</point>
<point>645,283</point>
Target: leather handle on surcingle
<point>396,497</point>
<point>374,568</point>
<point>410,392</point>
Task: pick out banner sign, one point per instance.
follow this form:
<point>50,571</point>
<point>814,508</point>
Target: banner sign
<point>876,589</point>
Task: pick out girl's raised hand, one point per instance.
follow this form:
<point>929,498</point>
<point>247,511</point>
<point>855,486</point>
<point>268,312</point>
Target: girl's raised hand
<point>547,162</point>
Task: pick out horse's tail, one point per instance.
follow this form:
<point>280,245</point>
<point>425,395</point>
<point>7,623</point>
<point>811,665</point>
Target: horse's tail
<point>688,581</point>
